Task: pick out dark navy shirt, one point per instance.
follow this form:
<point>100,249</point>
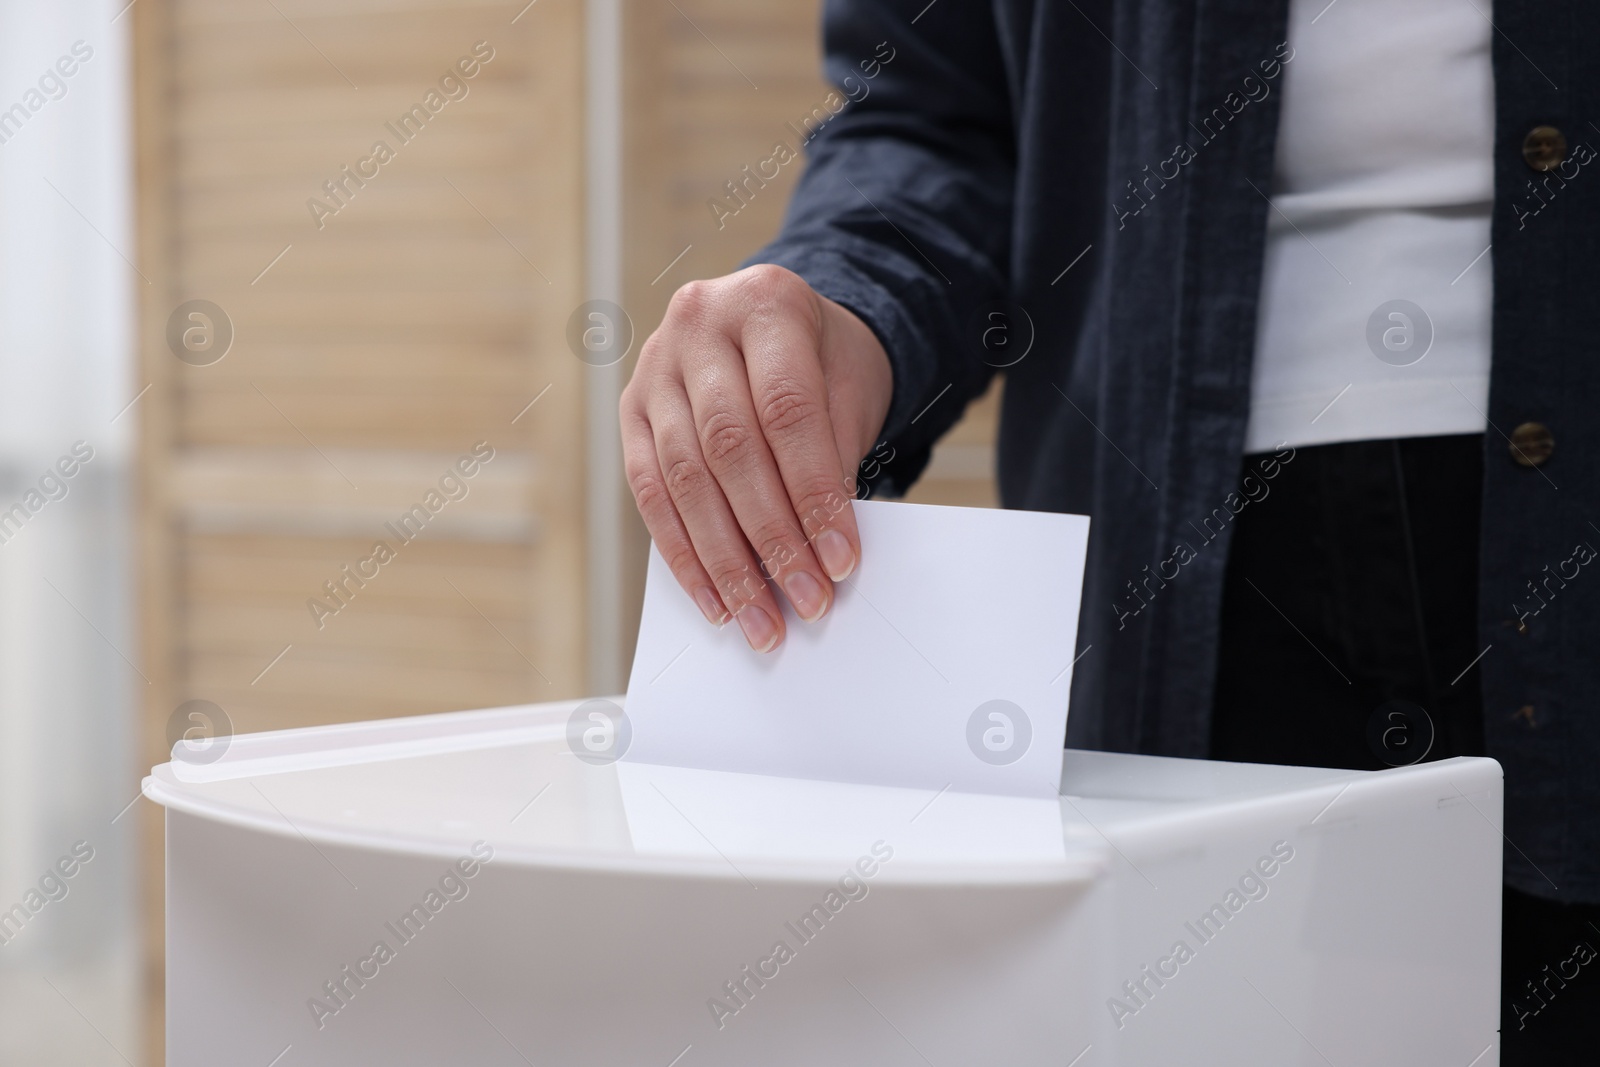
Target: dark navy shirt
<point>996,165</point>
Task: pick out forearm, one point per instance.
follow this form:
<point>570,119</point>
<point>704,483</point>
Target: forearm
<point>904,212</point>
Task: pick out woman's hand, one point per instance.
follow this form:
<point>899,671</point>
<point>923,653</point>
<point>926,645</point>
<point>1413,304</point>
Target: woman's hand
<point>742,427</point>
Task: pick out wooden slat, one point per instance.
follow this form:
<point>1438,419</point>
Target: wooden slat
<point>309,493</point>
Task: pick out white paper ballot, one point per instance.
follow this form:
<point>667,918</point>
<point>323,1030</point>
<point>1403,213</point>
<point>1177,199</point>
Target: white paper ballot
<point>682,811</point>
<point>944,663</point>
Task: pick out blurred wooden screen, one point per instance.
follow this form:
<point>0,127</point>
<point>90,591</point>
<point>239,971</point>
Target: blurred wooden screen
<point>373,347</point>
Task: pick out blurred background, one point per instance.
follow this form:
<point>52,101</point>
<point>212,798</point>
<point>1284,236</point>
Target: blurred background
<point>272,341</point>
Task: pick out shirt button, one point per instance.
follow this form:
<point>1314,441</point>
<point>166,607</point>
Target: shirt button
<point>1544,148</point>
<point>1532,443</point>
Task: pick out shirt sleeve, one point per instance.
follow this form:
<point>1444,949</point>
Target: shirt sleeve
<point>903,214</point>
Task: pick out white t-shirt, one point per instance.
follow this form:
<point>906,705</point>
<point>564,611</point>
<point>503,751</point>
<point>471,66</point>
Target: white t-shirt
<point>1375,301</point>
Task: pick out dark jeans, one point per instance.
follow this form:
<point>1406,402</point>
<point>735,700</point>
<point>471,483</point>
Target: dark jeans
<point>1349,621</point>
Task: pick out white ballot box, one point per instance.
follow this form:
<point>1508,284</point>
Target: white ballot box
<point>465,889</point>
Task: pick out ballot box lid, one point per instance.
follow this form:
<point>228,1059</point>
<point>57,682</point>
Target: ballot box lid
<point>433,784</point>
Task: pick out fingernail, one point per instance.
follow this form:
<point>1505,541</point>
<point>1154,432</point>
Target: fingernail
<point>837,557</point>
<point>710,606</point>
<point>758,628</point>
<point>807,595</point>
